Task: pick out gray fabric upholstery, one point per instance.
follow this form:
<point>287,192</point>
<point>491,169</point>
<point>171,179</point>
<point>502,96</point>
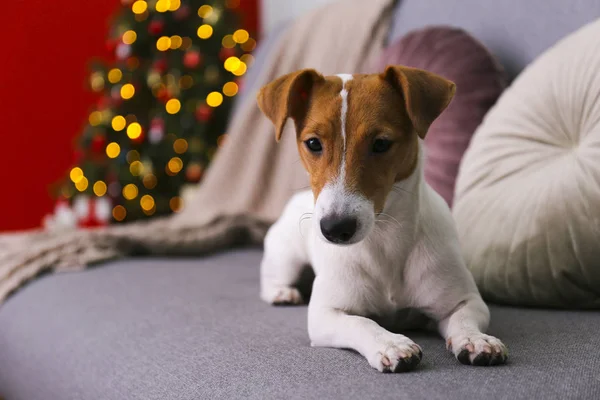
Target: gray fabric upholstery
<point>516,31</point>
<point>196,329</point>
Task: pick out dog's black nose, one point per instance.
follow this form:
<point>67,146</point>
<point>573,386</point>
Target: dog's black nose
<point>338,230</point>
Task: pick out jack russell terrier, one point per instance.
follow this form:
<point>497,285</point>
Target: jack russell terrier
<point>381,240</point>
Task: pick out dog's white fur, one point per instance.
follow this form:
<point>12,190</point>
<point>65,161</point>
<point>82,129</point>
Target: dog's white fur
<point>406,257</point>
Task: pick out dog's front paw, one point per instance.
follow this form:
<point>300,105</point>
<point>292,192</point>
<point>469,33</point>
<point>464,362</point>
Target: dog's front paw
<point>478,349</point>
<point>400,354</point>
<point>281,296</point>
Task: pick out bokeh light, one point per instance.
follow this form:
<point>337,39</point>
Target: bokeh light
<point>113,150</point>
<point>228,42</point>
<point>134,130</point>
<point>129,37</point>
<point>99,188</point>
<point>214,99</point>
<point>76,174</point>
<point>180,146</point>
<point>205,31</point>
<point>119,213</point>
<point>163,5</point>
<point>127,91</point>
<point>176,204</point>
<point>136,168</point>
<point>95,118</point>
<point>130,191</point>
<point>175,4</point>
<point>230,89</point>
<point>241,36</point>
<point>241,70</point>
<point>118,123</point>
<point>186,82</point>
<point>175,165</point>
<point>149,181</point>
<point>115,75</point>
<point>176,42</point>
<point>173,106</point>
<point>139,7</point>
<point>163,43</point>
<point>205,11</point>
<point>147,202</point>
<point>82,184</point>
<point>133,155</point>
<point>97,82</point>
<point>249,46</point>
<point>232,63</point>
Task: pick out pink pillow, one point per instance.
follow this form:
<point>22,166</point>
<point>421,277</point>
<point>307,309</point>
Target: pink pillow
<point>457,56</point>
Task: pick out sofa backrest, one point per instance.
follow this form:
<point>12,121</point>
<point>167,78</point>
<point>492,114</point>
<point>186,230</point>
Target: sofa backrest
<point>515,31</point>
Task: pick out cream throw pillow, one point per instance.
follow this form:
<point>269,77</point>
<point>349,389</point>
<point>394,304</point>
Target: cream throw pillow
<point>527,202</point>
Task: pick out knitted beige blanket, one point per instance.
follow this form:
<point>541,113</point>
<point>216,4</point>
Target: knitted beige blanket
<point>250,179</point>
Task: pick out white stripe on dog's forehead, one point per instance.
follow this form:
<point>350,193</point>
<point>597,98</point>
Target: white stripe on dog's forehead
<point>344,95</point>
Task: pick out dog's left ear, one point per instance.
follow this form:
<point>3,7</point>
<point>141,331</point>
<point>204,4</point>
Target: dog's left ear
<point>425,94</point>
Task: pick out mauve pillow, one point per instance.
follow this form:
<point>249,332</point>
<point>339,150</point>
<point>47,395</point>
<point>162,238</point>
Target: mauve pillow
<point>457,56</point>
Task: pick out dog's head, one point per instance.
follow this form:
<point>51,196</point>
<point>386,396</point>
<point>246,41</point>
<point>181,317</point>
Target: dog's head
<point>357,135</point>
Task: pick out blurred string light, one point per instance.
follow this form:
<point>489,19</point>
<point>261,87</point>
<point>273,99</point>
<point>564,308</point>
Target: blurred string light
<point>82,184</point>
<point>134,130</point>
<point>175,165</point>
<point>95,118</point>
<point>113,150</point>
<point>241,36</point>
<point>97,81</point>
<point>127,91</point>
<point>214,99</point>
<point>115,75</point>
<point>176,204</point>
<point>247,59</point>
<point>230,89</point>
<point>186,82</point>
<point>136,168</point>
<point>205,11</point>
<point>119,213</point>
<point>163,6</point>
<point>139,7</point>
<point>147,202</point>
<point>205,31</point>
<point>118,123</point>
<point>129,37</point>
<point>149,181</point>
<point>249,45</point>
<point>180,146</point>
<point>130,191</point>
<point>228,42</point>
<point>99,188</point>
<point>175,4</point>
<point>176,42</point>
<point>76,174</point>
<point>132,156</point>
<point>173,106</point>
<point>163,43</point>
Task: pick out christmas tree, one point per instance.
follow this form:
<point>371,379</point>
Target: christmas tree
<point>164,105</point>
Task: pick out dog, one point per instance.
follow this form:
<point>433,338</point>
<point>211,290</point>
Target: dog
<point>380,240</point>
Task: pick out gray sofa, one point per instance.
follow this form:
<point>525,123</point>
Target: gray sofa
<point>196,329</point>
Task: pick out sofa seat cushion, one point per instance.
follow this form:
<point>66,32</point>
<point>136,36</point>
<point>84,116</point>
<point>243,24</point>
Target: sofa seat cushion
<point>196,329</point>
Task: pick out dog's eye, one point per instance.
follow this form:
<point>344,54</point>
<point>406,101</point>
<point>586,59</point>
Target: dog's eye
<point>314,145</point>
<point>381,145</point>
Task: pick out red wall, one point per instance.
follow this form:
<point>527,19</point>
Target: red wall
<point>46,47</point>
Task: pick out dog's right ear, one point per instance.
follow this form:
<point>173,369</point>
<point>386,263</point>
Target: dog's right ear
<point>287,97</point>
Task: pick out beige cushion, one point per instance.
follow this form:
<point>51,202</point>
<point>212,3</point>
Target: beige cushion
<point>527,202</point>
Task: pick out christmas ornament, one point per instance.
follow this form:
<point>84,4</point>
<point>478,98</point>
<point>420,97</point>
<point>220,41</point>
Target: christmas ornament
<point>62,219</point>
<point>204,112</point>
<point>157,130</point>
<point>160,66</point>
<point>123,51</point>
<point>98,144</point>
<point>182,12</point>
<point>192,59</point>
<point>156,27</point>
<point>225,53</point>
<point>193,172</point>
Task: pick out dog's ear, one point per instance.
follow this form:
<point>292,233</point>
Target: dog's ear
<point>425,94</point>
<point>287,97</point>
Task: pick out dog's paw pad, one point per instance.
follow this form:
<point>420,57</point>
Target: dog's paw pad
<point>398,356</point>
<point>283,296</point>
<point>478,349</point>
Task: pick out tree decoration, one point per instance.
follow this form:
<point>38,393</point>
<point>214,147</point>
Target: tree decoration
<point>162,111</point>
